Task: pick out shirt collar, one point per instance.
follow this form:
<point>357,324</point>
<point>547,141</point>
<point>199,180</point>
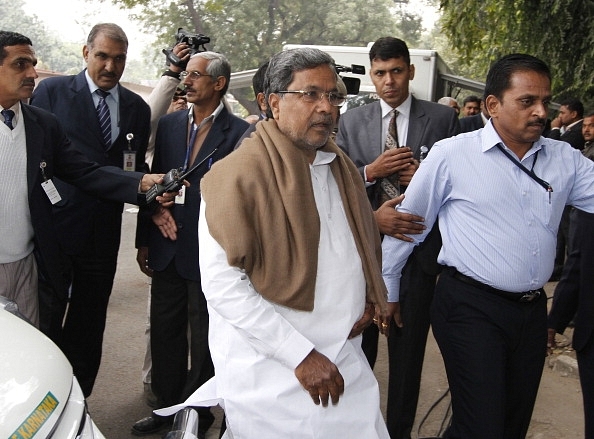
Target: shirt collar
<point>490,138</point>
<point>571,125</point>
<point>93,87</point>
<point>323,158</point>
<point>403,109</point>
<point>17,112</point>
<point>213,116</point>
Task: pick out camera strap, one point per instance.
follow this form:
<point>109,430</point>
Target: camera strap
<point>529,172</point>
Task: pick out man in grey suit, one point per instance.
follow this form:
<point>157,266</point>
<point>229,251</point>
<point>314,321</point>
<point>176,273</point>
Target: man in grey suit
<point>362,135</point>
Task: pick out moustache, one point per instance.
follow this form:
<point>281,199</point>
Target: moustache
<point>537,122</point>
<point>108,74</point>
<point>28,82</point>
<point>325,120</point>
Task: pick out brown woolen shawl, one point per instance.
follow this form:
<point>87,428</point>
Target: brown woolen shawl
<point>260,208</point>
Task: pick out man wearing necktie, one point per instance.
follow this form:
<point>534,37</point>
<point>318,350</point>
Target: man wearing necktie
<point>109,124</point>
<point>387,149</point>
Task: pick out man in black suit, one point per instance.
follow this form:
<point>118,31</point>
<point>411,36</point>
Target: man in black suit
<point>34,152</point>
<point>168,244</point>
<point>474,122</point>
<point>574,299</point>
<point>362,134</point>
<point>567,126</point>
<point>89,228</point>
<point>574,294</point>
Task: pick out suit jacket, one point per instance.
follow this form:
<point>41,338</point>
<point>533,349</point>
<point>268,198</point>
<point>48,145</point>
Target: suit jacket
<point>471,123</point>
<point>170,152</point>
<point>360,133</point>
<point>69,98</point>
<point>47,142</point>
<point>573,136</point>
<point>574,295</point>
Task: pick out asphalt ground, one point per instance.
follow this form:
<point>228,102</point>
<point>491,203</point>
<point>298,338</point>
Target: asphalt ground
<point>117,401</point>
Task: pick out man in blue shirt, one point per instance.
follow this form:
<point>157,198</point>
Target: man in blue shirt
<point>499,193</point>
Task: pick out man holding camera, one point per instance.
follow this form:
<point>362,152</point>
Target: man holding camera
<point>110,125</point>
<point>202,136</point>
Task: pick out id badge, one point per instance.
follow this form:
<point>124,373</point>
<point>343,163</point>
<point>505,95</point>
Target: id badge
<point>129,161</point>
<point>180,198</point>
<point>51,191</point>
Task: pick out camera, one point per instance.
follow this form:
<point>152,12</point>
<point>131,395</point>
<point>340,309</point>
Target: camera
<point>352,84</point>
<point>195,42</point>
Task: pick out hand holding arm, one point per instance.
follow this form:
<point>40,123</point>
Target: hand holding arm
<point>321,378</point>
<point>398,224</point>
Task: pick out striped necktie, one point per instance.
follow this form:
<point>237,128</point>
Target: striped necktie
<point>8,115</point>
<point>104,117</point>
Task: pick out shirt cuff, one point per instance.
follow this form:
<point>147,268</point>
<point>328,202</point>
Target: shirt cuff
<point>393,285</point>
<point>295,348</point>
<point>367,180</point>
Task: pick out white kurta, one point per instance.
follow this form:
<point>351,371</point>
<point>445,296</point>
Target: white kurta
<point>256,345</point>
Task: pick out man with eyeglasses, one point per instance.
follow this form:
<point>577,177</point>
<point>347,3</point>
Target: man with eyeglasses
<point>169,240</point>
<point>290,269</point>
<point>386,140</point>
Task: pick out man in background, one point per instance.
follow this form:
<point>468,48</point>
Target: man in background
<point>110,125</point>
<point>471,105</point>
<point>34,152</point>
<point>567,126</point>
<point>169,240</point>
<point>386,140</point>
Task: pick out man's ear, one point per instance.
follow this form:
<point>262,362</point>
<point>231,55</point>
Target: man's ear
<point>492,104</point>
<point>220,83</point>
<point>274,103</point>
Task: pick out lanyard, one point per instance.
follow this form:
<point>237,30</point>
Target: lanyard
<point>190,146</point>
<point>530,172</point>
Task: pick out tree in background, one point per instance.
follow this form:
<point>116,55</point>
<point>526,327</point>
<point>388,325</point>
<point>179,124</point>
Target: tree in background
<point>558,31</point>
<point>248,32</point>
<point>51,53</point>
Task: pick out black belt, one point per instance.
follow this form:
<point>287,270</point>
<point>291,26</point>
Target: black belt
<point>525,296</point>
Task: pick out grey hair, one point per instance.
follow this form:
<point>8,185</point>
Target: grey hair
<point>218,65</point>
<point>284,64</point>
<point>110,30</point>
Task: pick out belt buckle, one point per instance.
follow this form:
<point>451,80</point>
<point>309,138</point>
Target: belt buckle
<point>529,296</point>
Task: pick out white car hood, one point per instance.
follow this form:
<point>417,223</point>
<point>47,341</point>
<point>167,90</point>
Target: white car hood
<point>35,380</point>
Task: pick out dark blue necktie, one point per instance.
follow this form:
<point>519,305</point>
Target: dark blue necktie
<point>8,115</point>
<point>104,117</point>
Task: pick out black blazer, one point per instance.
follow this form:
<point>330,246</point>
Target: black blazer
<point>471,123</point>
<point>47,142</point>
<point>573,136</point>
<point>69,98</point>
<point>574,295</point>
<point>170,152</point>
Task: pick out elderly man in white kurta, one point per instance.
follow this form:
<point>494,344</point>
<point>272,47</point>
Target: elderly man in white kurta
<point>289,255</point>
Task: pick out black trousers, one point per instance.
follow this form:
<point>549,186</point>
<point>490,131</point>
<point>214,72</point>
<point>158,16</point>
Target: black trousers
<point>176,303</point>
<point>494,350</point>
<point>406,349</point>
<point>77,325</point>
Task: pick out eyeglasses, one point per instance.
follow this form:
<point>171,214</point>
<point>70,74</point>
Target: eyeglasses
<point>313,96</point>
<point>193,75</point>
